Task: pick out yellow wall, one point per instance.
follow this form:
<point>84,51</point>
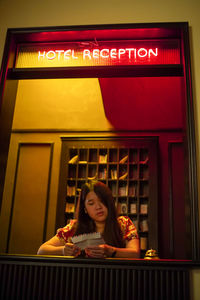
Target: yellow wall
<point>77,102</point>
<point>51,13</point>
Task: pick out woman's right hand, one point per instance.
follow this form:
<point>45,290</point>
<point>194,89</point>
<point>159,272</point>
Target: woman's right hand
<point>71,250</point>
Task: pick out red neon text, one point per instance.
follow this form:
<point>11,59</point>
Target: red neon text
<point>106,53</point>
<point>53,54</point>
<point>131,53</point>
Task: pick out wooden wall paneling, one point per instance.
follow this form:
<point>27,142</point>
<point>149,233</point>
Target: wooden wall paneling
<point>7,106</point>
<point>177,199</point>
<point>8,91</point>
<point>28,221</point>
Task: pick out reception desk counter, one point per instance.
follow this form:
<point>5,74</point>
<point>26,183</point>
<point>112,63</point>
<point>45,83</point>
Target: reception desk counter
<point>55,277</point>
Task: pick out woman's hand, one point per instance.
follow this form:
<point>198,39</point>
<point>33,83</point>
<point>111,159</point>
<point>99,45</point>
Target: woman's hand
<point>71,250</point>
<point>101,251</point>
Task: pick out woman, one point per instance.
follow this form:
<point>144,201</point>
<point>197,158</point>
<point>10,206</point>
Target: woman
<point>96,213</point>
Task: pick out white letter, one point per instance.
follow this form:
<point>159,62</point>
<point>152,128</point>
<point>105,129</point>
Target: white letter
<point>134,53</point>
<point>73,56</point>
<point>121,52</point>
<point>59,52</point>
<point>67,53</point>
<point>52,54</point>
<point>104,55</point>
<point>129,52</point>
<point>113,53</point>
<point>41,54</point>
<point>86,52</point>
<point>140,50</point>
<point>154,53</point>
<point>95,53</point>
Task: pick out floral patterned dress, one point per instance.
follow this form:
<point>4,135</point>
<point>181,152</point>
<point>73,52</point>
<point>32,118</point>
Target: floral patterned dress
<point>128,229</point>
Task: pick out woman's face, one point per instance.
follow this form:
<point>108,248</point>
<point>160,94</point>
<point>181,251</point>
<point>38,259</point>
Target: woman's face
<point>95,208</point>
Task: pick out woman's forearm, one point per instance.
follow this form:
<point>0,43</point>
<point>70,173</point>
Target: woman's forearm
<point>50,250</point>
<point>132,250</point>
<point>127,253</point>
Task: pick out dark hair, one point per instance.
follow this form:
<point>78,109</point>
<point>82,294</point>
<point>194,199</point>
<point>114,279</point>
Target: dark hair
<point>112,232</point>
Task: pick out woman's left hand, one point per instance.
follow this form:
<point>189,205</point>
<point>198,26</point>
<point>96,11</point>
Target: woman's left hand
<point>101,251</point>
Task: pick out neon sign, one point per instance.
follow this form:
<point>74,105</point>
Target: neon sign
<point>113,53</point>
<point>103,53</point>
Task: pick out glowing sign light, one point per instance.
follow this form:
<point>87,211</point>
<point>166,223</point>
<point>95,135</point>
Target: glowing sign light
<point>104,53</point>
<point>113,53</point>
